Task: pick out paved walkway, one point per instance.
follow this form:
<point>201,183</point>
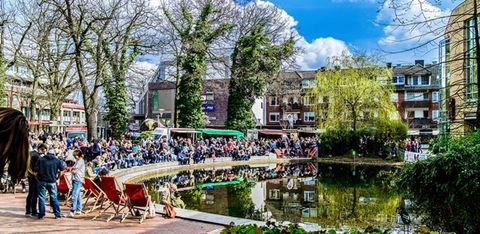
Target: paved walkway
<point>13,220</point>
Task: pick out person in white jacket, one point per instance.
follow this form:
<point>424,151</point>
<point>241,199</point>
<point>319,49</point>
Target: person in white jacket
<point>78,173</point>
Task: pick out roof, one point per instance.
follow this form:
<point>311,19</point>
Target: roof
<point>183,130</point>
<point>415,70</point>
<point>221,132</point>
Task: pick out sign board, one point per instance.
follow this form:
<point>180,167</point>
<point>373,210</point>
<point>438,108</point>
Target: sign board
<point>76,129</point>
<point>208,107</point>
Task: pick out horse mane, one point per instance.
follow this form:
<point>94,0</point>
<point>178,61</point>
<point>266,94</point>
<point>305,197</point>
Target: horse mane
<point>14,146</point>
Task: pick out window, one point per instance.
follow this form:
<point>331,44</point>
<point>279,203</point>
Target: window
<point>470,76</point>
<point>436,114</point>
<point>308,100</point>
<point>324,99</point>
<point>418,80</point>
<point>66,116</point>
<point>435,96</point>
<point>309,116</point>
<point>207,97</point>
<point>398,80</point>
<point>414,97</point>
<point>425,114</point>
<point>394,97</point>
<point>309,196</point>
<point>273,101</point>
<point>274,194</point>
<point>274,117</point>
<point>76,117</point>
<point>417,114</point>
<point>155,106</point>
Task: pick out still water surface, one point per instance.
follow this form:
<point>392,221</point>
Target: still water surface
<point>329,195</point>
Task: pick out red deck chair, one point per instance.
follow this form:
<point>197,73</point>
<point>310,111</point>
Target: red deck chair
<point>116,199</point>
<point>64,187</point>
<point>138,199</point>
<point>93,191</point>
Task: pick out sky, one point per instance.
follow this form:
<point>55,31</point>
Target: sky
<point>327,26</point>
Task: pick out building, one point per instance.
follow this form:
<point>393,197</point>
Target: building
<point>158,102</point>
<point>287,106</point>
<point>458,72</point>
<point>19,89</point>
<point>417,96</point>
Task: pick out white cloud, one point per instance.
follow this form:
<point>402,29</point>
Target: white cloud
<point>316,53</point>
<point>414,22</point>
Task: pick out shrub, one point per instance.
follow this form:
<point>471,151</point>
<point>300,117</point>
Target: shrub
<point>445,189</point>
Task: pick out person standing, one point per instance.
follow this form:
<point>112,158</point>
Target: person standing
<point>78,172</point>
<point>48,167</point>
<point>32,198</point>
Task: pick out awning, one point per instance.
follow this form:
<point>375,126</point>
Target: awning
<point>312,131</point>
<point>271,132</point>
<point>183,130</point>
<point>39,122</point>
<point>222,132</point>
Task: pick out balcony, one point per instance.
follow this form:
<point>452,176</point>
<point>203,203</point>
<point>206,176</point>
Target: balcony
<point>419,103</point>
<point>292,106</point>
<point>421,123</point>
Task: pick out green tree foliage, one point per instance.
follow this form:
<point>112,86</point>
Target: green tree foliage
<point>239,202</point>
<point>255,60</point>
<point>196,38</point>
<point>377,139</point>
<point>358,92</point>
<point>445,189</point>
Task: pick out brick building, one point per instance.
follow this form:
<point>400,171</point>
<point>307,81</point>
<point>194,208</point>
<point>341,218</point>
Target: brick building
<point>160,101</point>
<point>417,96</point>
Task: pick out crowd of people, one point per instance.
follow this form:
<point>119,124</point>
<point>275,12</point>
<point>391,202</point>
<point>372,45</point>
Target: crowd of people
<point>53,154</point>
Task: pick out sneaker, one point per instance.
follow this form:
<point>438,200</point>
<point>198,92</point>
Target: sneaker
<point>27,214</point>
<point>77,213</point>
<point>40,217</point>
<point>71,214</point>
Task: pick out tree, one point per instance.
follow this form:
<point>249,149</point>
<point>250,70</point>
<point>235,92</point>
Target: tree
<point>196,36</point>
<point>445,189</point>
<point>352,91</point>
<point>124,38</point>
<point>255,60</point>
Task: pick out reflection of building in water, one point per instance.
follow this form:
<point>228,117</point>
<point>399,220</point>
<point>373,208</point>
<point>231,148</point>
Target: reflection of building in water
<point>291,198</point>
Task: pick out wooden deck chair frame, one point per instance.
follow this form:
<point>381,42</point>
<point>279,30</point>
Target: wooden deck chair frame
<point>137,199</point>
<point>93,191</point>
<point>63,181</point>
<point>116,198</point>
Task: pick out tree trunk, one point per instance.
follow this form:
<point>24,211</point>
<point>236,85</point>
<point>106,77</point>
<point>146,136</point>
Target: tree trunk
<point>91,118</point>
<point>477,61</point>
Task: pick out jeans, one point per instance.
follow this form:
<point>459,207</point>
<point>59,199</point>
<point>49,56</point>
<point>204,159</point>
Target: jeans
<point>76,196</point>
<point>32,198</point>
<point>43,187</point>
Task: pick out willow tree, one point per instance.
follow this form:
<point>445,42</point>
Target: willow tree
<point>196,36</point>
<point>353,92</point>
<point>255,59</point>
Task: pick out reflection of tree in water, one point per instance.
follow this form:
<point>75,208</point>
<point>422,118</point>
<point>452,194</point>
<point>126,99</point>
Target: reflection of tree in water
<point>193,198</point>
<point>240,203</point>
<point>354,201</point>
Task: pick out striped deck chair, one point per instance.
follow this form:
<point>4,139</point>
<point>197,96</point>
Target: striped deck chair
<point>138,200</point>
<point>116,199</point>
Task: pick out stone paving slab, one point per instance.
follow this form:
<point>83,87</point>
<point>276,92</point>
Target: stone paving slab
<point>207,217</point>
<point>13,220</point>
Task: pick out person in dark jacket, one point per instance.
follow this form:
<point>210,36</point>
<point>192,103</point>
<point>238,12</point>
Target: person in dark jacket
<point>32,198</point>
<point>48,167</point>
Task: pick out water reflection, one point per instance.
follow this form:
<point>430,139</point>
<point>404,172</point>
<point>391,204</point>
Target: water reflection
<point>329,195</point>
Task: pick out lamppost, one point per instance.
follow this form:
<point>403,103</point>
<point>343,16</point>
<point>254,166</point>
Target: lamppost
<point>160,115</point>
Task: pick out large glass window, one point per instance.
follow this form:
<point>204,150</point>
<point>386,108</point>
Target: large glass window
<point>470,74</point>
<point>308,100</point>
<point>398,80</point>
<point>273,101</point>
<point>155,101</point>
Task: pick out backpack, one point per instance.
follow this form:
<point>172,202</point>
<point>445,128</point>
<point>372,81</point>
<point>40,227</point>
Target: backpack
<point>169,211</point>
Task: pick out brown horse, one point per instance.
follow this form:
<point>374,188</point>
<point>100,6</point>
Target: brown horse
<point>14,146</point>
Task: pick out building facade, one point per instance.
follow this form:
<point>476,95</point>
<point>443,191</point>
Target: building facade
<point>19,89</point>
<point>459,79</point>
<point>417,96</point>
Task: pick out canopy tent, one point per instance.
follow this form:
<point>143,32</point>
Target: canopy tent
<point>221,132</point>
<point>234,181</point>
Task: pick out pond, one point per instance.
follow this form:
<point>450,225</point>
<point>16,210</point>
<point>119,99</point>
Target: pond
<point>329,195</point>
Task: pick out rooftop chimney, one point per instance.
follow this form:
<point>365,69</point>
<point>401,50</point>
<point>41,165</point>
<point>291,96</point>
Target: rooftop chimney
<point>420,62</point>
<point>389,65</point>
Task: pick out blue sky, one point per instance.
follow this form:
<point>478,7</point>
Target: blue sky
<point>353,22</point>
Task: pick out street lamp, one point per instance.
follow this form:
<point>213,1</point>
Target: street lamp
<point>160,115</point>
